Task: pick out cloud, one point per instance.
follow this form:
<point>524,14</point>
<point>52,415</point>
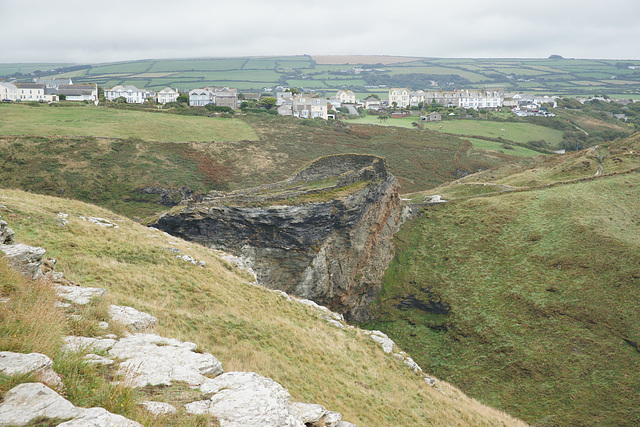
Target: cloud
<point>75,31</point>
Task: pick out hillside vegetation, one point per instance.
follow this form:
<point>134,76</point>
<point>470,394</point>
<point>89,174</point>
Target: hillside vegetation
<point>527,300</point>
<point>112,172</point>
<point>246,327</point>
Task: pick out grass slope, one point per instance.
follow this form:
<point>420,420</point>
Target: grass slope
<point>529,299</point>
<point>83,120</point>
<point>246,327</point>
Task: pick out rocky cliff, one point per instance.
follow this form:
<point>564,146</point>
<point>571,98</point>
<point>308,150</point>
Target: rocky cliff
<point>324,234</point>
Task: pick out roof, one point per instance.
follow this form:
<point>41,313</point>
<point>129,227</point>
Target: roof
<point>31,86</point>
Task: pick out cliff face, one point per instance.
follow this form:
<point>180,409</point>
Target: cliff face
<point>324,234</point>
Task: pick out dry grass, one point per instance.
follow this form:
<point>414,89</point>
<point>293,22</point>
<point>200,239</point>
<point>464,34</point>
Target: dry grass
<point>248,328</point>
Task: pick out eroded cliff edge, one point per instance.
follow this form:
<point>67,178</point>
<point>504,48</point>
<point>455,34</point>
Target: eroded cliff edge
<point>324,234</point>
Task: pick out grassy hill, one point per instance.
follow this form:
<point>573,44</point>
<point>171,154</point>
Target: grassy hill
<point>363,74</point>
<point>246,327</point>
<point>213,153</point>
<point>527,300</point>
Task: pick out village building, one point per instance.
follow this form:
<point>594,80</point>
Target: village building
<point>372,103</point>
<point>132,94</point>
<point>78,92</point>
<point>167,95</point>
<point>346,96</point>
<point>434,116</point>
<point>221,96</point>
<point>307,107</point>
<point>201,97</point>
<point>8,91</point>
<point>226,97</point>
<point>32,92</point>
<point>399,96</point>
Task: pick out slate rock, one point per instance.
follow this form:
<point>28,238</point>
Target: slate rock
<point>6,234</point>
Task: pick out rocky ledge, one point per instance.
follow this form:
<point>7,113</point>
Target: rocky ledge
<point>324,234</point>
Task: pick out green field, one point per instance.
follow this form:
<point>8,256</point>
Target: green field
<point>518,132</point>
<point>562,77</point>
<point>527,300</point>
<point>513,150</point>
<point>46,120</point>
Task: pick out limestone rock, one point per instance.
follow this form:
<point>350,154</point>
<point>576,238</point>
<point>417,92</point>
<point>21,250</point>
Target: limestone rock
<point>244,399</point>
<point>344,424</point>
<point>6,234</point>
<point>308,412</point>
<point>98,360</point>
<point>27,401</point>
<point>382,339</point>
<point>159,408</point>
<point>151,359</point>
<point>99,417</point>
<point>73,343</point>
<point>136,320</point>
<point>27,259</point>
<point>20,363</point>
<point>79,294</point>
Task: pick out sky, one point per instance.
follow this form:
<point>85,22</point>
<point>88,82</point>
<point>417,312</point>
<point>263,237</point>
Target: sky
<point>73,31</point>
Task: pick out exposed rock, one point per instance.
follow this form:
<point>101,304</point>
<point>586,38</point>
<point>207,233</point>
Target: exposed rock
<point>169,196</point>
<point>308,412</point>
<point>102,222</point>
<point>136,320</point>
<point>151,359</point>
<point>324,234</point>
<point>20,363</point>
<point>27,259</point>
<point>411,364</point>
<point>27,401</point>
<point>344,424</point>
<point>6,234</point>
<point>99,417</point>
<point>79,294</point>
<point>245,399</point>
<point>382,339</point>
<point>73,343</point>
<point>159,408</point>
<point>98,360</point>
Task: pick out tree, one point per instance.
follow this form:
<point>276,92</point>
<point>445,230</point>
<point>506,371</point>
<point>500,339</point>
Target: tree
<point>268,102</point>
<point>183,97</point>
<point>62,97</point>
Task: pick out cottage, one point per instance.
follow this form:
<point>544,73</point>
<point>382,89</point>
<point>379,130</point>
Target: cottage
<point>434,116</point>
<point>346,96</point>
<point>78,92</point>
<point>372,103</point>
<point>167,95</point>
<point>307,107</point>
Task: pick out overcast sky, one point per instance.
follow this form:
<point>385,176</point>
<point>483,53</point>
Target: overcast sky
<point>81,32</point>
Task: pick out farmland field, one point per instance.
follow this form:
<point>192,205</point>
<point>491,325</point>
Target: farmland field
<point>326,74</point>
<point>99,121</point>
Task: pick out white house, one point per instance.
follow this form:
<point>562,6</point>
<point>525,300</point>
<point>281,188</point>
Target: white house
<point>307,107</point>
<point>200,97</point>
<point>479,99</point>
<point>31,92</point>
<point>346,96</point>
<point>399,95</point>
<point>372,103</point>
<point>78,92</point>
<point>132,94</point>
<point>167,95</point>
<point>416,97</point>
<point>8,92</point>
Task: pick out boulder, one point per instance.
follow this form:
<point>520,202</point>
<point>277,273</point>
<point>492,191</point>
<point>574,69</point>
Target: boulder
<point>27,259</point>
<point>308,412</point>
<point>245,399</point>
<point>27,401</point>
<point>151,359</point>
<point>73,343</point>
<point>6,234</point>
<point>137,321</point>
<point>382,339</point>
<point>99,417</point>
<point>79,294</point>
<point>20,363</point>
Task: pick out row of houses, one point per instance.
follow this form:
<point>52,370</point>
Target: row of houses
<point>220,96</point>
<point>48,90</point>
<point>463,98</point>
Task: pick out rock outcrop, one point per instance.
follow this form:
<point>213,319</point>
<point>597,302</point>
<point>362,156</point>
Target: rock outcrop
<point>324,234</point>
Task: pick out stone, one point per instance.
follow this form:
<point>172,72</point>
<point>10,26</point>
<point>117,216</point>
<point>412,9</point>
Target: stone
<point>247,399</point>
<point>21,363</point>
<point>382,339</point>
<point>308,412</point>
<point>411,364</point>
<point>98,360</point>
<point>6,234</point>
<point>73,343</point>
<point>27,401</point>
<point>151,359</point>
<point>27,259</point>
<point>103,325</point>
<point>333,251</point>
<point>330,419</point>
<point>137,321</point>
<point>430,381</point>
<point>158,408</point>
<point>99,417</point>
<point>344,424</point>
<point>79,294</point>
